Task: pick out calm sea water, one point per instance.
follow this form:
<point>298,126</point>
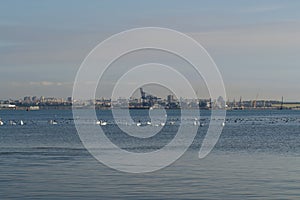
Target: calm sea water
<point>257,157</point>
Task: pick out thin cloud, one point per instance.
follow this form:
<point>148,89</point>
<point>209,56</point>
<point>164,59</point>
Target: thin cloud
<point>48,83</point>
<point>262,9</point>
<point>285,34</point>
<point>41,83</point>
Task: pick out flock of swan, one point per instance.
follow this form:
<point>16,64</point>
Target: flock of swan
<point>195,122</point>
<point>21,122</point>
<point>190,121</point>
<point>13,123</point>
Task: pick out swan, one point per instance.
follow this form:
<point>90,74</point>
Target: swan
<point>162,124</point>
<point>12,123</point>
<point>101,123</point>
<point>52,122</point>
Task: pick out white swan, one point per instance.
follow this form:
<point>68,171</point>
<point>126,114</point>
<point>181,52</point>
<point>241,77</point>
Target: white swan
<point>52,122</point>
<point>12,123</point>
<point>101,123</point>
<point>162,124</point>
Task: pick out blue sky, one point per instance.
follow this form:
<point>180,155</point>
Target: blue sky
<point>255,44</point>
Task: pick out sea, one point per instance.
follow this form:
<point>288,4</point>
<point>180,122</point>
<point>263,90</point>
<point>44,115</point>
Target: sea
<point>256,157</point>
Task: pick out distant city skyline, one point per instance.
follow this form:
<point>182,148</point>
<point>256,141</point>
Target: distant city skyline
<point>36,98</point>
<point>255,44</point>
<point>145,101</point>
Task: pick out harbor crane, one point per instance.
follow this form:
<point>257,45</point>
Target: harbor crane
<point>148,100</point>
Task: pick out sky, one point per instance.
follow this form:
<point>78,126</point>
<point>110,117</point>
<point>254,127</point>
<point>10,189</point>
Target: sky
<point>255,44</point>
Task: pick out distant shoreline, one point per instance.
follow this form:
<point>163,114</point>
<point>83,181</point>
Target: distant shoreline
<point>137,108</point>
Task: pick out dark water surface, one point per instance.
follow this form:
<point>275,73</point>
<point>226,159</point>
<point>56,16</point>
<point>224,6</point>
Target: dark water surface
<point>257,157</point>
